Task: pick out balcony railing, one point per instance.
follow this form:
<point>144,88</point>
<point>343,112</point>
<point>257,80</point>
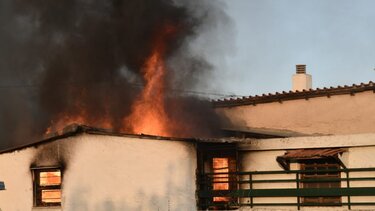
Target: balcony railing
<point>356,185</point>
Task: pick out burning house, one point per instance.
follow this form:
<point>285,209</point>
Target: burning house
<point>119,67</point>
<point>115,65</point>
<point>308,149</point>
<point>90,169</point>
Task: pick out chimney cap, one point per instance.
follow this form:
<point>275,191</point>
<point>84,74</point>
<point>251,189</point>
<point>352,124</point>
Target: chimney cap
<point>301,69</point>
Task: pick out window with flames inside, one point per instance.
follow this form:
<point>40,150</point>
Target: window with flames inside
<point>323,169</point>
<point>47,187</point>
<point>223,180</point>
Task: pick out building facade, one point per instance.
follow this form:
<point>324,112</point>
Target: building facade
<point>87,169</point>
<point>335,172</point>
<point>314,150</point>
<point>308,149</point>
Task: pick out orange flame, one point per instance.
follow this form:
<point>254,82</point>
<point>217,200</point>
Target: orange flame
<point>221,165</point>
<point>148,115</point>
<point>81,116</point>
<point>148,112</point>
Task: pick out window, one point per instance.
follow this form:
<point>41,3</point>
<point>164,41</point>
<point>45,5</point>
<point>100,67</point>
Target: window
<point>221,165</point>
<point>217,163</point>
<point>321,165</point>
<point>47,187</point>
<point>223,180</point>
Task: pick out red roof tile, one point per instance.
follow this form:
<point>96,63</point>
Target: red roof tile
<point>305,94</point>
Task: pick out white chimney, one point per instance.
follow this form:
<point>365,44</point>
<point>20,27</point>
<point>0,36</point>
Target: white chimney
<point>301,80</point>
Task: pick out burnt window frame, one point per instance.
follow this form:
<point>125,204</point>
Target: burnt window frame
<point>323,164</point>
<point>37,188</point>
<point>205,154</point>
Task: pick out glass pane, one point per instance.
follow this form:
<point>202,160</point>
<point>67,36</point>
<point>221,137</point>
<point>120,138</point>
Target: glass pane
<point>51,196</point>
<point>50,178</point>
<point>221,165</point>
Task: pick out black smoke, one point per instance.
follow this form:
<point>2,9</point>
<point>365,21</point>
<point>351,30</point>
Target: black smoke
<point>73,55</point>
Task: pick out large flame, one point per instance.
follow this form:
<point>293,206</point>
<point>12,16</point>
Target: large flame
<point>148,114</point>
<point>221,166</point>
<point>80,116</point>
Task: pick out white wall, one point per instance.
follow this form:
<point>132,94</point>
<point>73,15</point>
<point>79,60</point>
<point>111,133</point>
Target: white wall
<point>107,173</point>
<point>266,161</point>
<point>115,173</point>
<point>339,114</point>
<point>16,174</point>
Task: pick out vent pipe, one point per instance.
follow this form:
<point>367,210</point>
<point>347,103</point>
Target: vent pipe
<point>301,69</point>
<point>301,81</point>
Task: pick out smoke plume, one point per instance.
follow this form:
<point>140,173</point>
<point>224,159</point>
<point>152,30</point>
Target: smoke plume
<point>60,59</point>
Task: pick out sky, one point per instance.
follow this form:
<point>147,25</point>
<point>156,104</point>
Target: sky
<point>334,38</point>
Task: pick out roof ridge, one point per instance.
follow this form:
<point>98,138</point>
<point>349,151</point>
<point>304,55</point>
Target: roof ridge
<point>291,95</point>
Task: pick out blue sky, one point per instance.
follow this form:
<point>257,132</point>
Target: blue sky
<point>334,38</point>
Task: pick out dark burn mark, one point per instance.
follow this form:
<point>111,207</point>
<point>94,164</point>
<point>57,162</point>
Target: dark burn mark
<point>53,154</point>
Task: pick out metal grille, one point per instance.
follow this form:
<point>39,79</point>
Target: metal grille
<point>247,182</point>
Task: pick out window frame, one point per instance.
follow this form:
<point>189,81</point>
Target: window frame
<point>205,154</point>
<point>37,188</point>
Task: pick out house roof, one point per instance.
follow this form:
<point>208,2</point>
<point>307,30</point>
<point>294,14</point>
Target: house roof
<point>312,153</point>
<point>264,133</point>
<point>76,129</point>
<point>294,95</point>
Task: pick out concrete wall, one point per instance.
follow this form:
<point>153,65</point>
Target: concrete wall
<point>260,155</point>
<point>339,114</point>
<point>16,174</point>
<point>106,173</point>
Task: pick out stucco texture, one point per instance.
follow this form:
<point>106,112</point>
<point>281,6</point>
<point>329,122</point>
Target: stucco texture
<point>338,114</point>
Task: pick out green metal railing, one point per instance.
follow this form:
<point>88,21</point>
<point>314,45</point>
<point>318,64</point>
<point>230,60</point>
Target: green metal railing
<point>243,193</point>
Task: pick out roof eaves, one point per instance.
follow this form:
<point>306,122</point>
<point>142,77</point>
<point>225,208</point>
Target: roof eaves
<point>48,138</point>
<point>76,129</point>
<point>305,94</point>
